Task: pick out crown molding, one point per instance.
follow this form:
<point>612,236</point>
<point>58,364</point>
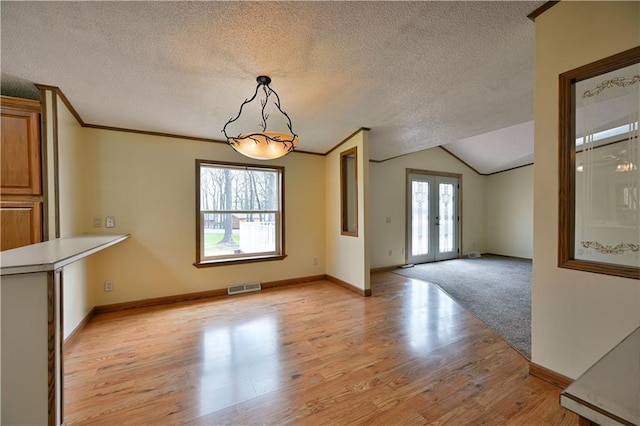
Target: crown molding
<point>74,112</point>
<point>539,11</point>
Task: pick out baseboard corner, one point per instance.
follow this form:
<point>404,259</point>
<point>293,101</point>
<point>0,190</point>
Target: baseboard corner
<point>349,286</point>
<point>384,269</point>
<point>549,376</point>
<point>70,340</point>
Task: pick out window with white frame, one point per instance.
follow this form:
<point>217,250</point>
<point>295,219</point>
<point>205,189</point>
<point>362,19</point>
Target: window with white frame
<point>239,213</point>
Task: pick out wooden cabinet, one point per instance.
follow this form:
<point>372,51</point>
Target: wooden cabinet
<point>21,223</point>
<point>21,201</point>
<point>20,152</point>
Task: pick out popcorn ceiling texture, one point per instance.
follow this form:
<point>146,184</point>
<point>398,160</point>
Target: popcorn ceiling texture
<point>419,74</point>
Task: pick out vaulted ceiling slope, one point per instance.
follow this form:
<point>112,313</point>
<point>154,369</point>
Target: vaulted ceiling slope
<point>418,74</point>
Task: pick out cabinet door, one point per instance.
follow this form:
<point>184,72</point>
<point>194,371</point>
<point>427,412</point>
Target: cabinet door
<point>21,223</point>
<point>20,153</point>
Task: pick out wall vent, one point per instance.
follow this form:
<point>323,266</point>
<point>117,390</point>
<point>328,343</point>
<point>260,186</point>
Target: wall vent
<point>473,254</point>
<point>243,288</point>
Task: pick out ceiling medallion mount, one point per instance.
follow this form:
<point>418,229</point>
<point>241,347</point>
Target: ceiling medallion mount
<point>263,144</point>
<point>264,80</point>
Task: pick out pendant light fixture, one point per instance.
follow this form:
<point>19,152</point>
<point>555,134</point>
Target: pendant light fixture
<point>263,144</point>
<point>626,166</point>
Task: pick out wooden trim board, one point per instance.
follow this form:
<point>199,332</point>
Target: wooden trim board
<point>145,303</point>
<point>73,337</point>
<point>549,376</point>
<point>196,296</point>
<point>349,286</point>
<point>539,11</point>
<point>293,281</point>
<point>384,268</point>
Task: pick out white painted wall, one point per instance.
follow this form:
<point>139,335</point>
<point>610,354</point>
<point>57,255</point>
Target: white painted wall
<point>510,213</point>
<point>576,316</point>
<point>388,181</point>
<point>24,359</point>
<point>348,256</point>
<point>148,184</point>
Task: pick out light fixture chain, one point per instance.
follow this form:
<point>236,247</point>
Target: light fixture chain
<point>277,103</point>
<point>264,103</point>
<point>246,101</point>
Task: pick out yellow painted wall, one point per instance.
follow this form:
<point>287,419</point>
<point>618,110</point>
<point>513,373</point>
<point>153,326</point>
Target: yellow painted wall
<point>71,172</point>
<point>348,256</point>
<point>78,298</point>
<point>388,183</point>
<point>576,316</point>
<point>510,213</point>
<point>48,137</point>
<point>148,184</point>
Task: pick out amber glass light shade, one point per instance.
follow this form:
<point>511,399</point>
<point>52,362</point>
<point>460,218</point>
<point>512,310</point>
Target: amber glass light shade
<point>264,145</point>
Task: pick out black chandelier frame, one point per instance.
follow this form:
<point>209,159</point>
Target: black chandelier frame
<point>263,82</point>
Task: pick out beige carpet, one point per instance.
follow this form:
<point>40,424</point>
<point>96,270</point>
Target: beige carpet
<point>497,289</point>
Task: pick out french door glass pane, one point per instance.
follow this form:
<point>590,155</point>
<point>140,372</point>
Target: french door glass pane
<point>446,215</point>
<point>420,218</point>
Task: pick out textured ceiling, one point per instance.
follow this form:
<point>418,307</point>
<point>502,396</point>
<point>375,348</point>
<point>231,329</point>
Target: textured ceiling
<point>418,74</point>
<point>498,150</point>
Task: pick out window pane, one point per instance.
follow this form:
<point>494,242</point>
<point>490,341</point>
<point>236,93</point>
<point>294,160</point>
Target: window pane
<point>239,234</point>
<point>239,213</point>
<point>216,241</point>
<point>232,188</point>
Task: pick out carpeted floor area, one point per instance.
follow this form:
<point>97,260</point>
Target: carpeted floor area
<point>497,289</point>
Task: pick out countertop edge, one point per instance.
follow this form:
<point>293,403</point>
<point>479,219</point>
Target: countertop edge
<point>63,261</point>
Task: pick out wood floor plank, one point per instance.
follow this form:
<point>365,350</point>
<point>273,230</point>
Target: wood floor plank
<point>308,354</point>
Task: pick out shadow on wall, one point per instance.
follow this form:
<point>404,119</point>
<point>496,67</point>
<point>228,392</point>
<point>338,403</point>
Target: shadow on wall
<point>18,87</point>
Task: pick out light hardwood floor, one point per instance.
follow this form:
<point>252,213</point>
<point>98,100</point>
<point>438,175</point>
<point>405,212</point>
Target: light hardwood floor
<point>306,354</point>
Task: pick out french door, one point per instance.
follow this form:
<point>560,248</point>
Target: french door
<point>432,217</point>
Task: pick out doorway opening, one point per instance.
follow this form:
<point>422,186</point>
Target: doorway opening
<point>433,216</point>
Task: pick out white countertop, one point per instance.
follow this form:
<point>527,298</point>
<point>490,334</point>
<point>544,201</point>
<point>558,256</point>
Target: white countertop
<point>54,254</point>
<point>609,392</point>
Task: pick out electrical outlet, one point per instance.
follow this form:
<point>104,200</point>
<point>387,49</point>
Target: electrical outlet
<point>108,285</point>
<point>97,221</point>
<point>315,261</point>
<point>389,252</point>
<point>110,222</point>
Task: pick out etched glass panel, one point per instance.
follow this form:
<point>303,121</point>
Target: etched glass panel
<point>607,226</point>
<point>420,218</point>
<point>446,218</point>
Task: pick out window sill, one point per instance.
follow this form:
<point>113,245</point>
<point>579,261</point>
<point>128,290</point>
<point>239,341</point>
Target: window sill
<point>601,268</point>
<point>228,262</point>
